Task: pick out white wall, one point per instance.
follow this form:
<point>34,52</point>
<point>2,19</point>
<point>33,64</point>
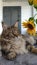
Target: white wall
<point>1,10</point>
<point>35,12</point>
<point>1,16</point>
<point>25,11</point>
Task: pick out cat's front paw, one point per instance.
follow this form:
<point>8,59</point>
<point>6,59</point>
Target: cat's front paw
<point>11,56</point>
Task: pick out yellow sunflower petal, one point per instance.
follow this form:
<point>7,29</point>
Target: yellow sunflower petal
<point>24,24</point>
<point>31,32</point>
<point>35,2</point>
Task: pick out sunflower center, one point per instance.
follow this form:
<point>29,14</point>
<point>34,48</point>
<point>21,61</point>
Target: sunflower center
<point>30,26</point>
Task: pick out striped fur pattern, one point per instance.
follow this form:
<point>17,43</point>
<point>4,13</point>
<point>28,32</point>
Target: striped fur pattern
<point>12,42</point>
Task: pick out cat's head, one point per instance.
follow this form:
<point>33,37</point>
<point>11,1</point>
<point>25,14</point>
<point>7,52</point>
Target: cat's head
<point>5,26</point>
<point>11,29</point>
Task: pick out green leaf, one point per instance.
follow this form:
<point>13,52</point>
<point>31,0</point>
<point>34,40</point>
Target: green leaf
<point>35,6</point>
<point>36,21</point>
<point>31,18</point>
<point>30,2</point>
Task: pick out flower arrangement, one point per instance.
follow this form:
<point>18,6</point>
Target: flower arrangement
<point>33,2</point>
<point>30,24</point>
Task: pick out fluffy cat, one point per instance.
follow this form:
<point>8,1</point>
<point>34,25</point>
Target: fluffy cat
<point>12,42</point>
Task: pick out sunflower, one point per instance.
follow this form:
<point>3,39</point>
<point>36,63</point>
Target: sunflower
<point>28,24</point>
<point>30,2</point>
<point>35,3</point>
<point>30,27</point>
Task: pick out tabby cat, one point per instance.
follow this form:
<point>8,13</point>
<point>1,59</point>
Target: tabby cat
<point>12,42</point>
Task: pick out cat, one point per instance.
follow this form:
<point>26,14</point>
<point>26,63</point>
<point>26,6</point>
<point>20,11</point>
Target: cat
<point>12,42</point>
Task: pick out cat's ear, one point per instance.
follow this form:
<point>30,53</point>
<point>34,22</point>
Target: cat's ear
<point>4,25</point>
<point>16,24</point>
